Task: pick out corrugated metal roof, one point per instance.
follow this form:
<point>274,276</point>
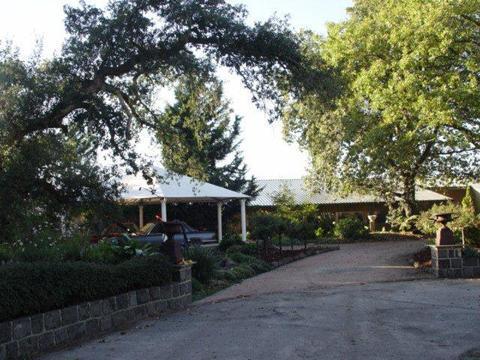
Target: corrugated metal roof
<point>176,188</point>
<point>303,196</point>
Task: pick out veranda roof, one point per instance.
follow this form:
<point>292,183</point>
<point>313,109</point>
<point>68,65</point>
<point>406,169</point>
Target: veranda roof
<point>174,188</point>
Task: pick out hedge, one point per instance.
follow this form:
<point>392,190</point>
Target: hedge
<point>31,288</point>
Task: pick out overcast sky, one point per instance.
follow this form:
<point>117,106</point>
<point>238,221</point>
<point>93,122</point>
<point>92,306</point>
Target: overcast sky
<point>266,153</point>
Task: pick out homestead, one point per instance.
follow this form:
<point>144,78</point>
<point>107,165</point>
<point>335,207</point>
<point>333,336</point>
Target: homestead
<point>354,204</point>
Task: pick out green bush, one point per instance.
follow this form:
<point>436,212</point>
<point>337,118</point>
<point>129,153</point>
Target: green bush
<point>206,263</point>
<point>234,249</point>
<point>242,271</point>
<point>5,253</point>
<point>240,258</point>
<point>74,248</point>
<point>267,225</point>
<point>228,241</point>
<point>470,252</point>
<point>249,249</point>
<point>33,253</point>
<point>350,228</point>
<point>463,218</point>
<point>27,288</point>
<point>197,286</point>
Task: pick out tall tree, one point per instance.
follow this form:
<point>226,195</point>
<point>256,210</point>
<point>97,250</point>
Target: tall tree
<point>96,94</point>
<point>203,137</point>
<point>203,143</point>
<point>407,104</point>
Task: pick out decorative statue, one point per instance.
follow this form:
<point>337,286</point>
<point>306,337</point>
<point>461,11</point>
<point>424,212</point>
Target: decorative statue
<point>444,233</point>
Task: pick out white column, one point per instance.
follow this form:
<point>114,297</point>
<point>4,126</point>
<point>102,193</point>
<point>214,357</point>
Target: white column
<point>164,210</point>
<point>140,216</point>
<point>243,216</point>
<point>219,221</point>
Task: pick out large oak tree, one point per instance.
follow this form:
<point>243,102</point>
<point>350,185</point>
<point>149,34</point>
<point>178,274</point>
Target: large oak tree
<point>406,105</point>
<point>96,94</point>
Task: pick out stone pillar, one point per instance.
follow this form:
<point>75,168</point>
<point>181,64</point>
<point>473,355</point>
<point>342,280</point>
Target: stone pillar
<point>447,261</point>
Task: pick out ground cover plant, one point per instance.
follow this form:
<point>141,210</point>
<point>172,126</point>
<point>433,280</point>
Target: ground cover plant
<point>215,269</point>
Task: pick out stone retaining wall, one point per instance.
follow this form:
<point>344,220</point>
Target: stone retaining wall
<point>32,335</point>
<point>448,262</point>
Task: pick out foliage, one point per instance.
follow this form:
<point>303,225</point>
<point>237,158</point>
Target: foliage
<point>98,94</point>
<point>406,105</point>
<point>76,248</point>
<point>399,221</point>
<point>249,249</point>
<point>469,252</point>
<point>290,221</point>
<point>202,140</point>
<point>464,220</point>
<point>27,288</point>
<point>266,225</point>
<point>206,263</point>
<point>350,228</point>
<point>228,241</point>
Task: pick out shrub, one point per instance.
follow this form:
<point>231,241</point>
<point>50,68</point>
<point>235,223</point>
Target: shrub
<point>27,288</point>
<point>469,252</point>
<point>33,253</point>
<point>464,218</point>
<point>242,271</point>
<point>260,266</point>
<point>249,249</point>
<point>399,222</point>
<point>116,250</point>
<point>234,249</point>
<point>5,253</point>
<point>240,258</point>
<point>267,225</point>
<point>206,263</point>
<point>228,241</point>
<point>350,228</point>
<point>74,248</point>
<point>197,286</point>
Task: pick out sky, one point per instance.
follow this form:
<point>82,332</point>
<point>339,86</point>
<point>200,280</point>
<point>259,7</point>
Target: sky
<point>267,155</point>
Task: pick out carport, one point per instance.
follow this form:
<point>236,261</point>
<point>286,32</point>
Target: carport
<point>174,188</point>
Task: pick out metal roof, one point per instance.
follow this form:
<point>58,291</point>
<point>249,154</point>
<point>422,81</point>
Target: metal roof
<point>303,196</point>
<point>174,188</point>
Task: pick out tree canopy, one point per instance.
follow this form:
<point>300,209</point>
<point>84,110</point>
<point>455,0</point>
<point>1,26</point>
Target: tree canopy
<point>405,106</point>
<point>96,94</point>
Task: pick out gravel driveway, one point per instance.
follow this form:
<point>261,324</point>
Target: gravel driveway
<point>353,264</point>
<point>349,304</point>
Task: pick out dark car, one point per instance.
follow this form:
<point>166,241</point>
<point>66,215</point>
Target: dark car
<point>115,230</point>
<point>153,233</point>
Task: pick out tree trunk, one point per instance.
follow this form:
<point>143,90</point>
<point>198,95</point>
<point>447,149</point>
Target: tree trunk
<point>409,203</point>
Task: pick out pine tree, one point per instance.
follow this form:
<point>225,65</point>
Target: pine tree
<point>202,142</point>
<point>203,138</point>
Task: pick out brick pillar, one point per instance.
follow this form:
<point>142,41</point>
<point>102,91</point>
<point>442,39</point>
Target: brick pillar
<point>447,261</point>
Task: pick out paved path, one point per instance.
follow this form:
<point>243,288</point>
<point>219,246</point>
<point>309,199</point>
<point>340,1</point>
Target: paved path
<point>347,309</point>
